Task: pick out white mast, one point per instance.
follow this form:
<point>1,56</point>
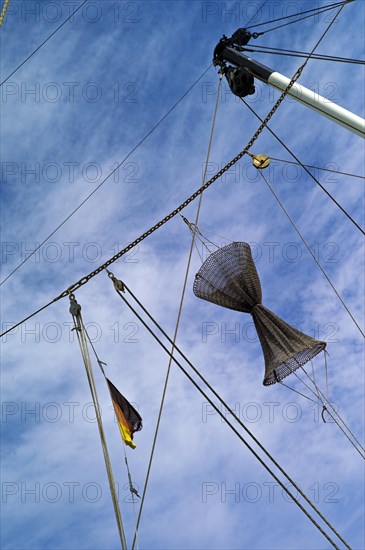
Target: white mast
<point>307,97</point>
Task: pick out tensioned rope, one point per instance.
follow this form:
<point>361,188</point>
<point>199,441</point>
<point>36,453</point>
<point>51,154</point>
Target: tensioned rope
<point>133,492</point>
<point>178,318</point>
<point>318,12</point>
<point>3,11</point>
<point>328,6</point>
<point>291,221</point>
<point>176,328</point>
<point>117,285</point>
<point>313,255</point>
<point>192,197</point>
<point>294,53</point>
<point>101,365</point>
<point>308,172</point>
<point>320,168</point>
<point>318,394</point>
<point>43,43</point>
<point>109,175</point>
<point>325,401</point>
<point>168,217</point>
<point>315,57</point>
<point>75,311</point>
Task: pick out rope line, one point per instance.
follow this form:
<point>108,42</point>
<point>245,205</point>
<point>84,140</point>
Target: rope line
<point>326,402</point>
<point>308,172</point>
<point>132,491</point>
<point>177,320</point>
<point>315,57</point>
<point>302,381</point>
<point>314,378</point>
<point>229,410</point>
<point>192,197</point>
<point>29,317</point>
<point>346,426</point>
<point>345,434</point>
<point>43,43</point>
<point>172,214</point>
<point>3,11</point>
<point>328,6</point>
<point>317,167</point>
<point>296,391</point>
<point>101,363</point>
<point>294,53</point>
<point>108,176</point>
<point>81,337</point>
<point>313,255</point>
<point>326,369</point>
<point>318,12</point>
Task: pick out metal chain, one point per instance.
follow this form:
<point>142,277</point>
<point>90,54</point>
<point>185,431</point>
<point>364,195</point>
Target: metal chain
<point>87,278</point>
<point>167,218</point>
<point>183,205</point>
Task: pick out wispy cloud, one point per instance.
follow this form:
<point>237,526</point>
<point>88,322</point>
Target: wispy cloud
<point>206,490</point>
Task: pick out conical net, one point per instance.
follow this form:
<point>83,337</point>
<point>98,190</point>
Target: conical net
<point>229,278</point>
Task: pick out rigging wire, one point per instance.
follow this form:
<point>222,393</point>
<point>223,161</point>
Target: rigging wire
<point>318,12</point>
<point>175,361</point>
<point>101,363</point>
<point>133,492</point>
<point>315,57</point>
<point>172,214</point>
<point>3,11</point>
<point>343,422</point>
<point>311,253</point>
<point>324,400</point>
<point>308,172</point>
<point>314,378</point>
<point>297,391</point>
<point>328,6</point>
<point>192,197</point>
<point>43,43</point>
<point>29,317</point>
<point>223,416</point>
<point>257,12</point>
<point>326,369</point>
<point>108,176</point>
<point>281,98</point>
<point>295,53</point>
<point>196,231</point>
<point>178,318</point>
<point>318,167</point>
<point>343,431</point>
<point>75,311</point>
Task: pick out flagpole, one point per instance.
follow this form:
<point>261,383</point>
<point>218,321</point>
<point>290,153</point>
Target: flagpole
<point>307,97</point>
<point>75,310</point>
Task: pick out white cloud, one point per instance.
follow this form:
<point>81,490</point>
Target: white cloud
<point>160,55</point>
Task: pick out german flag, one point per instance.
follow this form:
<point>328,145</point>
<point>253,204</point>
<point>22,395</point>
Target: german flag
<point>129,420</point>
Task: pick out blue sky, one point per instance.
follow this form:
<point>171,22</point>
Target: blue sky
<point>99,85</point>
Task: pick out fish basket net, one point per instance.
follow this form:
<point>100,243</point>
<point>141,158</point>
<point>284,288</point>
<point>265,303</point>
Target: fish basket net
<point>229,279</point>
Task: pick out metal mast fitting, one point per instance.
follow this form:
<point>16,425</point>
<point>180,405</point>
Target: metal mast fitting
<point>241,76</point>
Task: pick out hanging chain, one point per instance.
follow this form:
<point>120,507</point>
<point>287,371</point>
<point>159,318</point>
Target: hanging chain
<point>192,197</point>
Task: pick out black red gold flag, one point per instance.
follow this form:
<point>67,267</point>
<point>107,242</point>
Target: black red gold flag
<point>129,420</point>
